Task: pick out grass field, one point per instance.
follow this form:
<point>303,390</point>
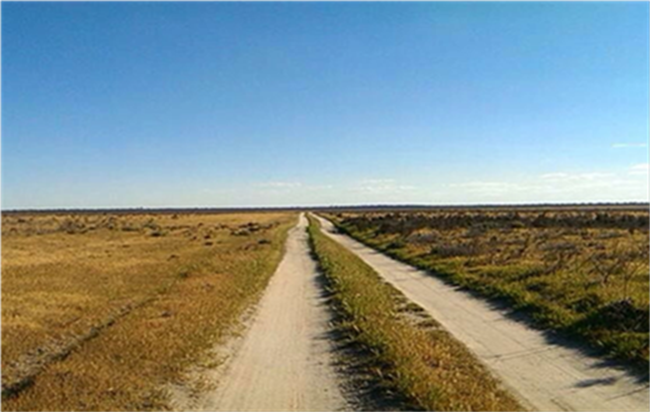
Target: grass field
<point>99,311</point>
<point>580,271</point>
<point>411,353</point>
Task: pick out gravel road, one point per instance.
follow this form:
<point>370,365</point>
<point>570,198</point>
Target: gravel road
<point>285,361</point>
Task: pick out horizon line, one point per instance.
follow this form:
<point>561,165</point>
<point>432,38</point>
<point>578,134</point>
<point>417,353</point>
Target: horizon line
<point>145,209</point>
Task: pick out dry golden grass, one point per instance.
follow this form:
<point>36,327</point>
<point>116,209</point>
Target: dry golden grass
<point>580,271</point>
<point>414,356</point>
<point>99,311</point>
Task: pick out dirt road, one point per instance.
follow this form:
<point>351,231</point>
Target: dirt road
<point>285,360</point>
<point>545,375</point>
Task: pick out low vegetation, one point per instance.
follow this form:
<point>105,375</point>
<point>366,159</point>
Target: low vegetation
<point>412,354</point>
<point>100,311</point>
<point>584,272</point>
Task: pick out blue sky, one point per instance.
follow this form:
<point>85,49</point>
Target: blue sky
<point>272,104</point>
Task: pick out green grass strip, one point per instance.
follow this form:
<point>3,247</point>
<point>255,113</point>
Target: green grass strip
<point>416,357</point>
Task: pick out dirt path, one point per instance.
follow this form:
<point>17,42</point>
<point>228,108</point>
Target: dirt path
<point>285,359</point>
<point>545,375</point>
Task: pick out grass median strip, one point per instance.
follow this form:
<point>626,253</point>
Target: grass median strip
<point>413,354</point>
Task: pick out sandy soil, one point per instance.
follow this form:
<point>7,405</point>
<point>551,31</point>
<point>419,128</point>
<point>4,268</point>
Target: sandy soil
<point>285,359</point>
<point>545,373</point>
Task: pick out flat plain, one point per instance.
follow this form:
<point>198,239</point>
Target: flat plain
<point>114,310</point>
<point>99,310</point>
<point>581,271</point>
<point>541,368</point>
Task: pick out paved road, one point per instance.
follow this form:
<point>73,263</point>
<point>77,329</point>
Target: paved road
<point>545,376</point>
